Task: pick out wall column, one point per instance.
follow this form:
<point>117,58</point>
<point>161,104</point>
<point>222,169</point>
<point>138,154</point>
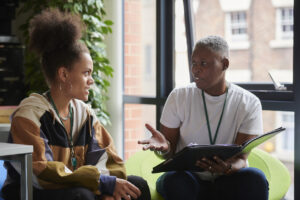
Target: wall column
<point>114,47</point>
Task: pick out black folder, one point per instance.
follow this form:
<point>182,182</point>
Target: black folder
<point>187,157</point>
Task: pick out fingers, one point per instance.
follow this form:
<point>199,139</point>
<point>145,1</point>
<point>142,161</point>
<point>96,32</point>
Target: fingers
<point>147,141</point>
<point>146,145</point>
<point>132,191</point>
<point>206,164</point>
<point>150,144</point>
<point>152,147</point>
<point>214,165</point>
<point>126,190</point>
<point>151,129</point>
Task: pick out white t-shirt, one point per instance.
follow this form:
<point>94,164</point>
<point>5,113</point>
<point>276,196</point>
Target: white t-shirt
<point>184,108</point>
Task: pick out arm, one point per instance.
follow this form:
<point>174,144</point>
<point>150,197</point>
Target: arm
<point>172,135</point>
<point>240,161</point>
<point>115,184</point>
<point>164,142</point>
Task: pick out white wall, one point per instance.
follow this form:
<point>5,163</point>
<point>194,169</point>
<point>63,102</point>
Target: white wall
<point>114,42</point>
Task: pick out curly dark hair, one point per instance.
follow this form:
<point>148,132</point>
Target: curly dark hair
<point>54,36</point>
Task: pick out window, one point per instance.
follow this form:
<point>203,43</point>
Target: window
<point>287,22</point>
<point>284,24</point>
<point>140,47</point>
<point>139,70</point>
<point>148,67</point>
<point>136,115</point>
<point>236,30</point>
<point>285,142</point>
<point>237,26</point>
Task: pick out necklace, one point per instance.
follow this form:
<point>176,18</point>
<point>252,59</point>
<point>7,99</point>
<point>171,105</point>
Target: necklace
<point>70,139</point>
<point>67,117</point>
<point>213,141</point>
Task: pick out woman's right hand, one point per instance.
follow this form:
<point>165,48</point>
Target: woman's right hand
<point>157,142</point>
<point>125,190</point>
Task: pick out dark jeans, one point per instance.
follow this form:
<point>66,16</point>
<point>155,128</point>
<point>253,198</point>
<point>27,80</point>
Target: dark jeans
<point>12,192</point>
<point>246,184</point>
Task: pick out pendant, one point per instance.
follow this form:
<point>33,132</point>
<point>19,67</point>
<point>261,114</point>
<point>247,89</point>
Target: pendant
<point>65,118</point>
<point>74,162</point>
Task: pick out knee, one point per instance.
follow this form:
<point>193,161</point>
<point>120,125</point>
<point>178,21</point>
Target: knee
<point>173,179</point>
<point>178,185</point>
<point>255,178</point>
<point>142,184</point>
<point>137,181</point>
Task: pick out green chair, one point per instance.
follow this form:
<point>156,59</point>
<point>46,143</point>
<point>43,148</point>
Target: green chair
<point>277,174</point>
<point>142,162</point>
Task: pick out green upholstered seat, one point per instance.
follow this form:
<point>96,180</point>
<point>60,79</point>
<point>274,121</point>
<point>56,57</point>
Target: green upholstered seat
<point>142,162</point>
<point>277,174</point>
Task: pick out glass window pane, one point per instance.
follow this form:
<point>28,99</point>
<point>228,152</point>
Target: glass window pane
<point>136,115</point>
<point>181,59</point>
<point>257,46</point>
<point>140,47</point>
<point>282,145</point>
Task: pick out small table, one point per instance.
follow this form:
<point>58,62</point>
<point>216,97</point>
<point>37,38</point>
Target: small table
<point>22,153</point>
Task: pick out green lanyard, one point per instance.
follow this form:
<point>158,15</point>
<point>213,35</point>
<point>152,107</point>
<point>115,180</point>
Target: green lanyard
<point>70,139</point>
<point>213,141</point>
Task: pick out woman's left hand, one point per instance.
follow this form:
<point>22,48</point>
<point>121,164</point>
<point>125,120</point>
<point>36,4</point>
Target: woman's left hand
<point>216,165</point>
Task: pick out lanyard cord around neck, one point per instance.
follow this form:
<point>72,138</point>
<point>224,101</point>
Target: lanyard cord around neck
<point>213,141</point>
<point>70,139</point>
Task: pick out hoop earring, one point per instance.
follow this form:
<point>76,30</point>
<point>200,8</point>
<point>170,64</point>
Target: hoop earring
<point>70,86</point>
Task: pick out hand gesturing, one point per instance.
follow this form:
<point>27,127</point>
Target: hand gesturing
<point>157,142</point>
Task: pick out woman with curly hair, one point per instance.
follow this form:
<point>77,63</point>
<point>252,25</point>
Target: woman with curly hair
<point>74,156</point>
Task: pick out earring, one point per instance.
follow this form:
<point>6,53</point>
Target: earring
<point>59,86</point>
<point>70,86</point>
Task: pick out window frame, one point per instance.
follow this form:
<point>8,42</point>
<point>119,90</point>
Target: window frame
<point>271,99</point>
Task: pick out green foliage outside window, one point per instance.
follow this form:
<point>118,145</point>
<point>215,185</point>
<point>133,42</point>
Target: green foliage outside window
<point>92,13</point>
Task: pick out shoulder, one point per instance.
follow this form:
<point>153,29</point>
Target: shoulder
<point>243,98</point>
<point>32,107</point>
<point>80,105</point>
<point>83,110</point>
<point>242,93</point>
<point>184,91</point>
<point>35,102</point>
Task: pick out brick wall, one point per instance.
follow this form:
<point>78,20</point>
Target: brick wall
<point>132,73</point>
